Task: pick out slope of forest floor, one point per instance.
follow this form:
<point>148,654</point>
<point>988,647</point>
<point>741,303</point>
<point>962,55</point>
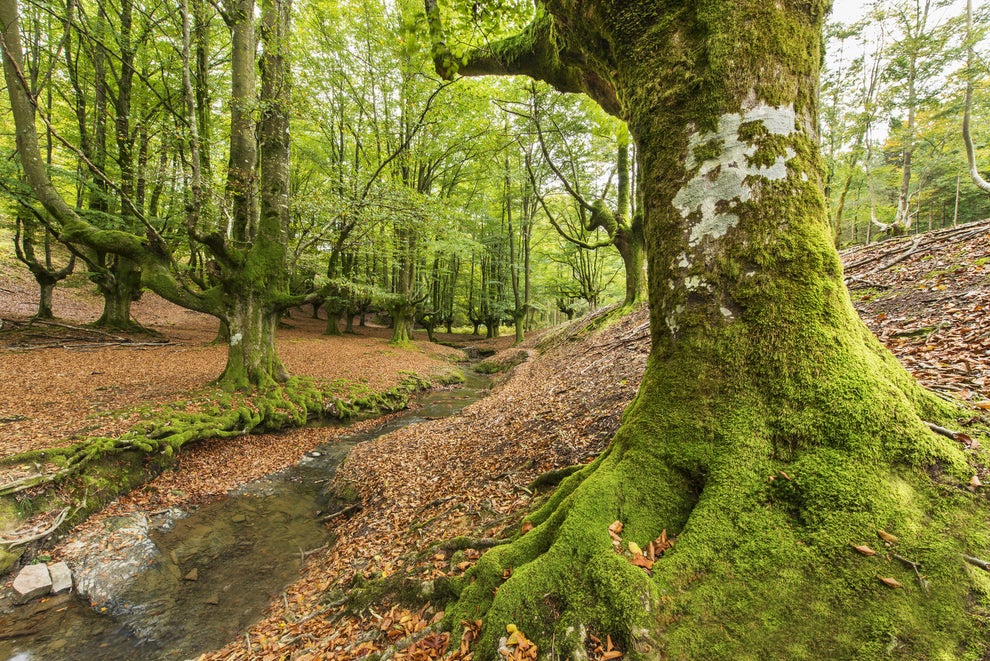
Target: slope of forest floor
<point>417,491</point>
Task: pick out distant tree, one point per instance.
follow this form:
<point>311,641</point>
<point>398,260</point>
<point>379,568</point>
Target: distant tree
<point>621,227</point>
<point>250,288</point>
<point>970,73</point>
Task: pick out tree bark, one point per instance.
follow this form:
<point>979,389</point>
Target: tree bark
<point>119,282</point>
<point>771,430</point>
<point>974,169</point>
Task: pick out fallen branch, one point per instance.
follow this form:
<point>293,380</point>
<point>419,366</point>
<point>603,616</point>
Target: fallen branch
<point>347,510</point>
<point>90,345</point>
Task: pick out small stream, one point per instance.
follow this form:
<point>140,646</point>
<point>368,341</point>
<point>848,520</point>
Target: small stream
<point>207,575</point>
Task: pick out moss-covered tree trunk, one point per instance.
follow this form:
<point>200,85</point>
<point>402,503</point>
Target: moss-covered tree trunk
<point>252,359</point>
<point>771,432</point>
<point>119,283</point>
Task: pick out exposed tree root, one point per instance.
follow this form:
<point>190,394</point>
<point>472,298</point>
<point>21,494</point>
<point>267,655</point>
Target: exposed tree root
<point>35,535</point>
<point>764,504</point>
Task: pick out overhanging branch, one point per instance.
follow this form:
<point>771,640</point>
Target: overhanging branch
<point>540,51</point>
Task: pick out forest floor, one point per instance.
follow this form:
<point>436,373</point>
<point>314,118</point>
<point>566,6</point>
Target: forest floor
<point>419,487</point>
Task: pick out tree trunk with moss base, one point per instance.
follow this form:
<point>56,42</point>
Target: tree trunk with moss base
<point>402,322</point>
<point>759,367</point>
<point>251,356</point>
<point>120,286</point>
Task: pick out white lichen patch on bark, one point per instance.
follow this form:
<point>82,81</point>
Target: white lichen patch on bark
<point>721,179</point>
<point>671,319</point>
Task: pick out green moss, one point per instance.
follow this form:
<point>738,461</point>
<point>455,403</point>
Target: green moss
<point>9,558</point>
<point>450,378</point>
<point>708,150</point>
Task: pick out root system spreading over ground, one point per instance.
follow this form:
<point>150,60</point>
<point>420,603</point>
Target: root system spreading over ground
<point>422,504</point>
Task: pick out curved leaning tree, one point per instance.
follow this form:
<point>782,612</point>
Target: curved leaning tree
<point>772,433</point>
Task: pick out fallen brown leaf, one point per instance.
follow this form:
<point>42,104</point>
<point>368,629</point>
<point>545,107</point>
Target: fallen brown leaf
<point>887,537</point>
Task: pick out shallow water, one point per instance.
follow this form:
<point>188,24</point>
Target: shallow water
<point>216,570</point>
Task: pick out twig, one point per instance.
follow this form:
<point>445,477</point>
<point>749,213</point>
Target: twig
<point>913,565</point>
<point>343,512</point>
<point>976,562</point>
<point>310,552</point>
<point>858,282</point>
<point>948,433</point>
<point>434,503</point>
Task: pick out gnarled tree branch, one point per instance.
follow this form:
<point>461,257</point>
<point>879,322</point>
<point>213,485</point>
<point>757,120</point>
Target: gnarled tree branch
<point>540,51</point>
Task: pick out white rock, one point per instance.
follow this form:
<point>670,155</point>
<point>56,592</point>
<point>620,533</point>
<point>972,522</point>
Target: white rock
<point>32,581</point>
<point>61,577</point>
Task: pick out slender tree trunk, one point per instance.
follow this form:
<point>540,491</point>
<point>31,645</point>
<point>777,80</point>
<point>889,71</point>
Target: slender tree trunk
<point>629,243</point>
<point>955,209</point>
<point>256,291</point>
<point>629,231</point>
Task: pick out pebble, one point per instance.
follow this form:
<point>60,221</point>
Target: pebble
<point>193,575</point>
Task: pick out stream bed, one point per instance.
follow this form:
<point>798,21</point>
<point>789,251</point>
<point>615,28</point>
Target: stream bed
<point>195,580</point>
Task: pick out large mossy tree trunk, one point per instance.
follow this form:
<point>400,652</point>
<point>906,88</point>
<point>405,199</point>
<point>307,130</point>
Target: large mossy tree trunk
<point>771,432</point>
<point>119,283</point>
<point>258,287</point>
